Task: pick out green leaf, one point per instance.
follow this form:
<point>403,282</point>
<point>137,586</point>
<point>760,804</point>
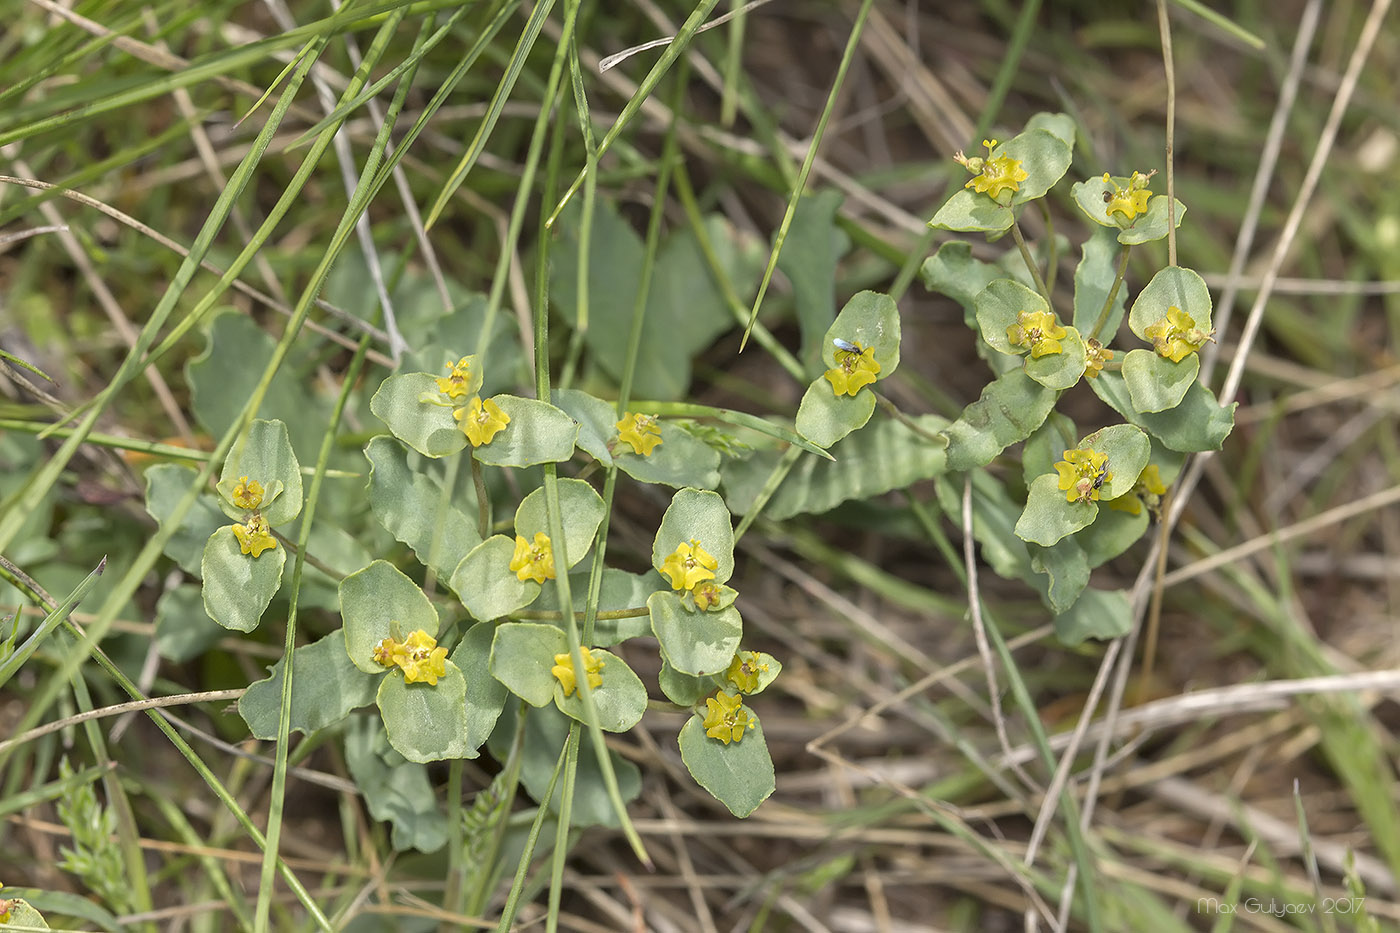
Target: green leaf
<point>426,722</point>
<point>545,732</point>
<point>394,789</point>
<point>738,775</point>
<point>1060,370</point>
<point>1009,410</point>
<point>813,250</point>
<point>685,310</point>
<point>1153,224</point>
<point>429,429</point>
<point>379,602</point>
<point>1059,125</point>
<point>1048,516</point>
<point>619,590</point>
<point>537,433</point>
<point>1101,614</point>
<point>968,211</point>
<point>1047,446</point>
<point>238,587</point>
<point>410,505</point>
<point>1198,423</point>
<point>1045,158</point>
<point>999,305</point>
<point>953,272</point>
<point>825,417</point>
<point>1093,278</point>
<point>581,511</point>
<point>620,699</point>
<point>264,455</point>
<point>695,642</point>
<point>486,585</point>
<point>1127,449</point>
<point>887,455</point>
<point>1112,533</point>
<point>1066,567</point>
<point>166,485</point>
<point>325,688</point>
<point>23,915</point>
<point>1172,287</point>
<point>486,696</point>
<point>1154,382</point>
<point>696,515</point>
<point>870,319</point>
<point>522,656</point>
<point>684,689</point>
<point>597,423</point>
<point>184,630</point>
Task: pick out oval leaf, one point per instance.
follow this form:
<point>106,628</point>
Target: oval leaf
<point>696,515</point>
<point>378,602</point>
<point>426,722</point>
<point>486,585</point>
<point>825,417</point>
<point>1173,287</point>
<point>620,699</point>
<point>1155,383</point>
<point>238,586</point>
<point>998,307</point>
<point>486,696</point>
<point>739,775</point>
<point>411,507</point>
<point>1060,370</point>
<point>264,455</point>
<point>522,655</point>
<point>695,642</point>
<point>325,688</point>
<point>1048,516</point>
<point>870,319</point>
<point>1127,449</point>
<point>427,428</point>
<point>581,511</point>
<point>537,433</point>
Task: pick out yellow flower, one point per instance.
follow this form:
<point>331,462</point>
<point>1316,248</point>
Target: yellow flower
<point>1176,336</point>
<point>254,538</point>
<point>726,719</point>
<point>481,421</point>
<point>745,669</point>
<point>1148,490</point>
<point>421,659</point>
<point>533,561</point>
<point>1130,201</point>
<point>1082,474</point>
<point>386,651</point>
<point>563,671</point>
<point>706,594</point>
<point>248,495</point>
<point>992,175</point>
<point>7,904</point>
<point>640,431</point>
<point>855,369</point>
<point>1098,355</point>
<point>454,384</point>
<point>1036,331</point>
<point>688,565</point>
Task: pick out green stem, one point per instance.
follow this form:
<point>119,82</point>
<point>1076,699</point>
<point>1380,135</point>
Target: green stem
<point>483,500</point>
<point>1112,292</point>
<point>551,615</point>
<point>1030,262</point>
<point>908,422</point>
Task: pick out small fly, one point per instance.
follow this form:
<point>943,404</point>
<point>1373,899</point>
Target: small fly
<point>846,345</point>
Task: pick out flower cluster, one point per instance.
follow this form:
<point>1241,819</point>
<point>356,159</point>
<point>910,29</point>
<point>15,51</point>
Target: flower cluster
<point>992,176</point>
<point>563,671</point>
<point>533,561</point>
<point>855,368</point>
<point>418,656</point>
<point>1176,336</point>
<point>640,431</point>
<point>1038,332</point>
<point>1129,201</point>
<point>1148,491</point>
<point>688,565</point>
<point>726,718</point>
<point>454,384</point>
<point>481,420</point>
<point>1083,474</point>
<point>745,670</point>
<point>1095,356</point>
<point>253,536</point>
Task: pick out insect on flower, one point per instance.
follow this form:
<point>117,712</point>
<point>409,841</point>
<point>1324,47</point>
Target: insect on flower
<point>846,345</point>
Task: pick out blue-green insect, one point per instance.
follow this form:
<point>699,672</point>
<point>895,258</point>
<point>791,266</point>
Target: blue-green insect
<point>846,345</point>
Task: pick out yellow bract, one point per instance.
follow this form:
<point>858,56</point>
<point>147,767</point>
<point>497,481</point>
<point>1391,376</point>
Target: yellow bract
<point>726,719</point>
<point>418,656</point>
<point>854,370</point>
<point>563,671</point>
<point>533,561</point>
<point>1129,201</point>
<point>706,594</point>
<point>481,420</point>
<point>248,495</point>
<point>1176,336</point>
<point>1082,474</point>
<point>454,384</point>
<point>254,538</point>
<point>1097,355</point>
<point>745,669</point>
<point>640,431</point>
<point>1036,331</point>
<point>688,565</point>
